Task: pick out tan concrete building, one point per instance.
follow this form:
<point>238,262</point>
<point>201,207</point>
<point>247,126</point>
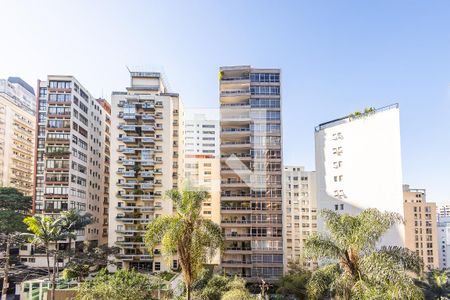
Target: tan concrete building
<point>17,131</point>
<point>251,172</point>
<point>147,159</point>
<point>300,211</point>
<point>70,164</point>
<point>421,226</point>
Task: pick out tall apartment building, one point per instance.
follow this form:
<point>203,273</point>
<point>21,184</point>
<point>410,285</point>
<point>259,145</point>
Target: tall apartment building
<point>146,161</point>
<point>251,172</point>
<point>69,152</point>
<point>17,130</point>
<point>106,142</point>
<point>420,226</point>
<point>300,211</point>
<point>70,164</point>
<point>202,132</point>
<point>358,165</point>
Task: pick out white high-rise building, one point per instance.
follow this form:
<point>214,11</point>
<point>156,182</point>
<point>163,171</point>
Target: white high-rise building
<point>202,132</point>
<point>147,159</point>
<point>358,163</point>
<point>443,237</point>
<point>299,210</point>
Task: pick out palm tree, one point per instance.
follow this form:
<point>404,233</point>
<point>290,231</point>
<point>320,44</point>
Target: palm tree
<point>193,238</point>
<point>436,285</point>
<point>47,231</point>
<point>71,221</point>
<point>361,271</point>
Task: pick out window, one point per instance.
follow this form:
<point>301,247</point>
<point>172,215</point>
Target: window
<point>157,266</point>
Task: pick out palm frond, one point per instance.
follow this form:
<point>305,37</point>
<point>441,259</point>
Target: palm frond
<point>319,246</point>
<point>322,281</point>
<point>410,260</point>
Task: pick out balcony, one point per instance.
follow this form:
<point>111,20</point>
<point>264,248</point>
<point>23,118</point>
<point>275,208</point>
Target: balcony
<point>135,257</point>
<point>148,105</point>
<point>233,93</point>
<point>127,127</point>
<point>235,144</point>
<point>148,128</point>
<point>127,139</point>
<point>146,174</point>
<point>126,162</point>
<point>147,140</point>
<point>235,132</point>
<point>126,173</point>
<point>148,118</point>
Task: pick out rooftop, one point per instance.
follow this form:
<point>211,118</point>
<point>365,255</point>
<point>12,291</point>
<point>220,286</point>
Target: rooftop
<point>353,116</point>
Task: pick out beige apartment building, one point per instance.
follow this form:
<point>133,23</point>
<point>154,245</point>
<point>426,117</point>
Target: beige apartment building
<point>70,164</point>
<point>300,211</point>
<point>147,159</point>
<point>421,233</point>
<point>17,131</point>
<point>251,172</point>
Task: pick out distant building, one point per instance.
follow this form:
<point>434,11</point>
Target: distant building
<point>17,134</point>
<point>420,226</point>
<point>444,211</point>
<point>443,231</point>
<point>358,165</point>
<point>300,210</point>
<point>202,132</point>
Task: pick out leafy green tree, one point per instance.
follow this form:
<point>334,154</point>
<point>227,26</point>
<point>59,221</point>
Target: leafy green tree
<point>71,221</point>
<point>216,286</point>
<point>236,290</point>
<point>123,284</point>
<point>295,282</point>
<point>194,239</point>
<point>361,270</point>
<point>436,285</point>
<point>45,232</point>
<point>14,206</point>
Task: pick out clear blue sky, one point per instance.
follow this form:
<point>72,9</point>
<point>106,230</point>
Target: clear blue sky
<point>336,57</point>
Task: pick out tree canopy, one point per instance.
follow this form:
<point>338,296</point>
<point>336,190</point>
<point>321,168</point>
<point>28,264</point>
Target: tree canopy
<point>357,269</point>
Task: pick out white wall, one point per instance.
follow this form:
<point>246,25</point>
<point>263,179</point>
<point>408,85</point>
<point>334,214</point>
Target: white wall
<point>370,167</point>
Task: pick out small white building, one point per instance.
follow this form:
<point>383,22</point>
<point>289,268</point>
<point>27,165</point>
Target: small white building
<point>358,163</point>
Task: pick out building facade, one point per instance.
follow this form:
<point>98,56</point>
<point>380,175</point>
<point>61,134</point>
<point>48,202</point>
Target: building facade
<point>358,165</point>
<point>106,155</point>
<point>17,131</point>
<point>443,237</point>
<point>299,212</point>
<point>70,156</point>
<point>202,132</point>
<point>251,172</point>
<point>147,159</point>
<point>421,226</point>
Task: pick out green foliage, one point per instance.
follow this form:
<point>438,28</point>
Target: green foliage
<point>187,233</point>
<point>241,294</point>
<point>44,229</point>
<point>361,271</point>
<point>12,199</point>
<point>294,283</point>
<point>75,271</point>
<point>436,284</point>
<point>124,285</point>
<point>14,206</point>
